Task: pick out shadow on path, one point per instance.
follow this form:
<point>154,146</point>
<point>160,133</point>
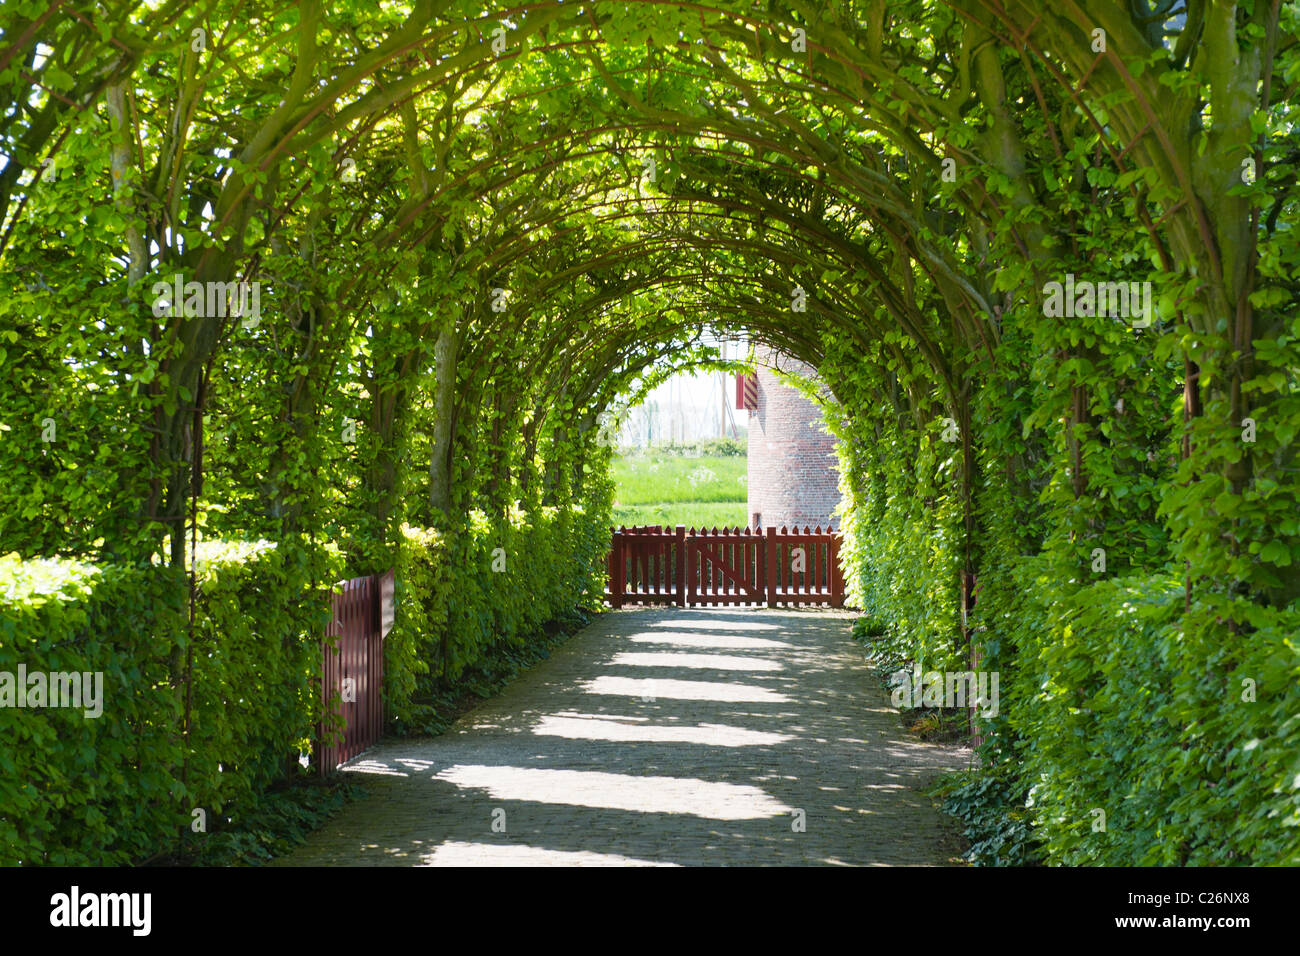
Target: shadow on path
<point>668,737</point>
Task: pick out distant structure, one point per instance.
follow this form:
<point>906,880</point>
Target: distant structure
<point>793,472</point>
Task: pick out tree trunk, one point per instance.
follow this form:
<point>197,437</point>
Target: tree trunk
<point>444,358</point>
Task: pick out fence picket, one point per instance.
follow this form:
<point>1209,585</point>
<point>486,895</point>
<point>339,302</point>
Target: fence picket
<point>728,566</point>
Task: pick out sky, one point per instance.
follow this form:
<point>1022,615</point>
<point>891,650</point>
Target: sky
<point>685,408</point>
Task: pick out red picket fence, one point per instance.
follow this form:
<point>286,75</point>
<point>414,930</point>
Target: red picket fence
<point>734,566</point>
<point>352,673</point>
<point>727,567</point>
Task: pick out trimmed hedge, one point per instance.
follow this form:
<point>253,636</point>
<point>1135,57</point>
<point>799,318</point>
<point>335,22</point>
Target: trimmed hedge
<point>901,555</point>
<point>468,594</point>
<point>1126,734</point>
<point>1184,735</point>
<point>121,787</point>
<point>1132,732</point>
<point>261,612</point>
<point>77,790</point>
<point>419,613</point>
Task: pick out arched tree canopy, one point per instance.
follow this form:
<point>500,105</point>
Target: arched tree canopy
<point>1042,255</point>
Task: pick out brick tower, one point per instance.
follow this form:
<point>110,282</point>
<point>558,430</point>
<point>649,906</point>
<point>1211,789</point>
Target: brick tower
<point>793,473</point>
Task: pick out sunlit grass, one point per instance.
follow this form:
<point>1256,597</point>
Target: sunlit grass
<point>658,480</point>
<point>693,514</point>
<point>703,492</point>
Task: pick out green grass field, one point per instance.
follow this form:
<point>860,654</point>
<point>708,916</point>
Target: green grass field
<point>668,490</point>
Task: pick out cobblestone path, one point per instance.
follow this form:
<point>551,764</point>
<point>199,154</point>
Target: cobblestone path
<point>661,737</point>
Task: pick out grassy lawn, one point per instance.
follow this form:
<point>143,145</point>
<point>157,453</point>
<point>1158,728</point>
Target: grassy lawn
<point>668,490</point>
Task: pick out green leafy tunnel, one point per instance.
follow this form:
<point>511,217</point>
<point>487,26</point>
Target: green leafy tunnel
<point>1043,256</point>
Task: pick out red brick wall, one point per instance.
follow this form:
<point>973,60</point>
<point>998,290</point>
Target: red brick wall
<point>793,478</point>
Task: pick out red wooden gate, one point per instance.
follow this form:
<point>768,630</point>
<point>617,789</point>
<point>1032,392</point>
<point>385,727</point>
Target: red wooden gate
<point>725,567</point>
<point>655,565</point>
<point>352,675</point>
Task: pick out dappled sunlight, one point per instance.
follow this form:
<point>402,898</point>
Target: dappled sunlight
<point>591,759</point>
<point>413,764</point>
<point>651,688</point>
<point>714,623</point>
<point>604,728</point>
<point>455,853</point>
<point>726,641</point>
<point>614,791</point>
<point>366,378</point>
<point>375,767</point>
<point>722,662</point>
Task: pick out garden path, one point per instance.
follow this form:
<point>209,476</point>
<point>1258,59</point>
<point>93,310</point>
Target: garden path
<point>668,737</point>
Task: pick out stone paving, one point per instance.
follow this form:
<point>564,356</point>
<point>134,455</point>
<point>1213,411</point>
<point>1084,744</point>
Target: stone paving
<point>661,737</point>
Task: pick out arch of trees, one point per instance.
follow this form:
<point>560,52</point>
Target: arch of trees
<point>472,234</point>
